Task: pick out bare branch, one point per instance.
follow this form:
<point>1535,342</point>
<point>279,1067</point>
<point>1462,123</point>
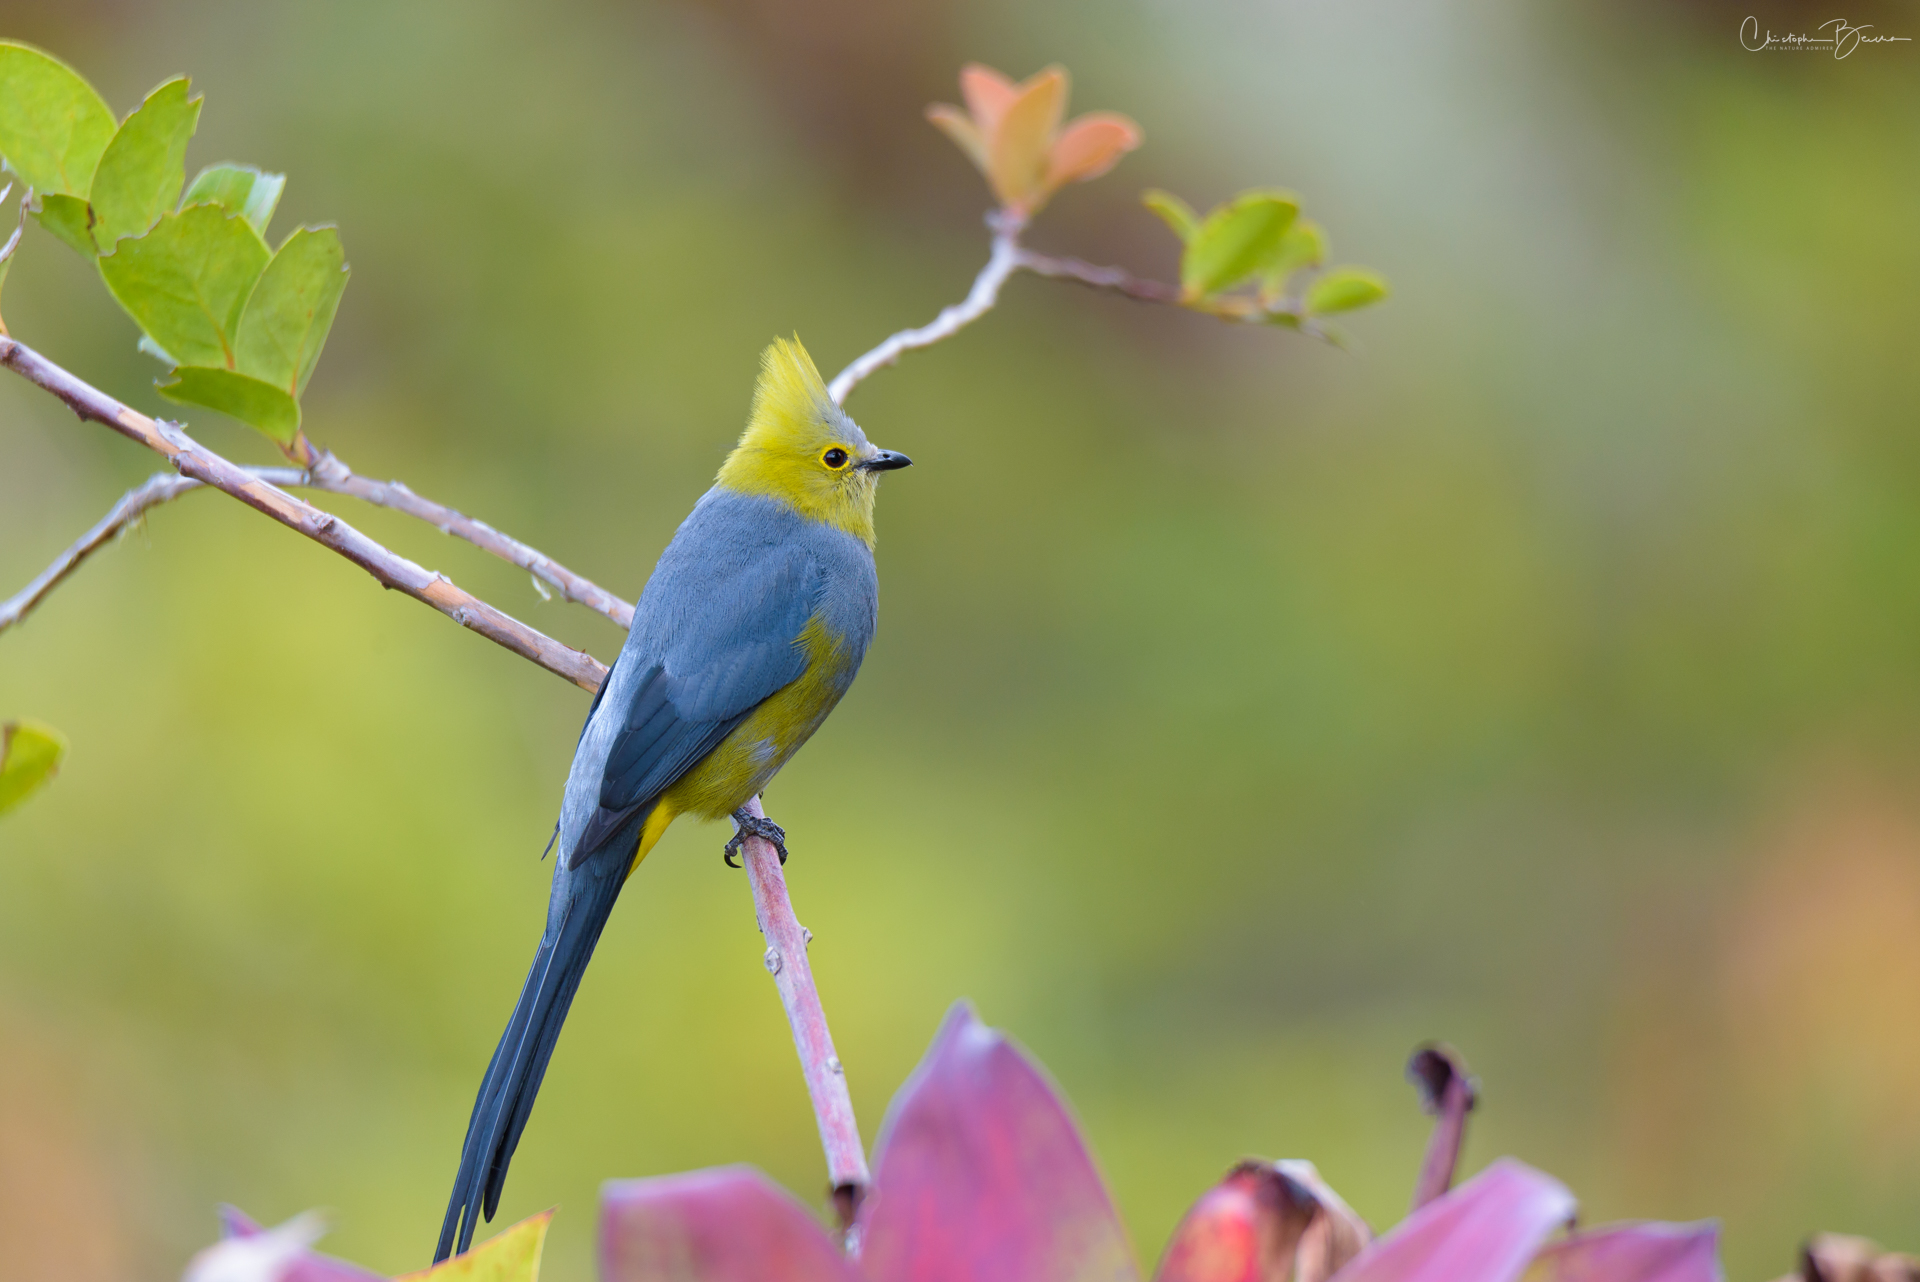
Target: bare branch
<point>1010,256</point>
<point>132,506</point>
<point>1004,261</point>
<point>195,462</point>
<point>786,958</point>
<point>330,474</point>
<point>1117,279</point>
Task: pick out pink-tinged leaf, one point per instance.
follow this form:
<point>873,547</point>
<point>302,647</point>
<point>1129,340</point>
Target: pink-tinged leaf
<point>249,1253</point>
<point>1247,1228</point>
<point>988,94</point>
<point>1638,1252</point>
<point>980,1175</point>
<point>1090,146</point>
<point>1841,1257</point>
<point>959,126</point>
<point>1019,145</point>
<point>1337,1232</point>
<point>730,1224</point>
<point>1484,1231</point>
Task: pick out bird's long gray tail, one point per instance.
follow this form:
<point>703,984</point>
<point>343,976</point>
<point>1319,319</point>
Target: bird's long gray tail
<point>582,900</point>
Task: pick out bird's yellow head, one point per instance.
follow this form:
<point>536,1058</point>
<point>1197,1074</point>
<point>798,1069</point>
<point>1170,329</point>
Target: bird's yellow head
<point>801,448</point>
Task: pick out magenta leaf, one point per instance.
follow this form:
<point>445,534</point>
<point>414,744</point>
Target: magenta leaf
<point>1487,1230</point>
<point>729,1224</point>
<point>980,1175</point>
<point>1636,1252</point>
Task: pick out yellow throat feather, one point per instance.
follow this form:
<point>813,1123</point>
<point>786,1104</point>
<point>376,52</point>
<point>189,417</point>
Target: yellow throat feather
<point>790,437</point>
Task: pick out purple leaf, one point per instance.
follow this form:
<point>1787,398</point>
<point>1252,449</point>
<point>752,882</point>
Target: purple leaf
<point>729,1224</point>
<point>980,1175</point>
<point>1637,1252</point>
<point>1487,1230</point>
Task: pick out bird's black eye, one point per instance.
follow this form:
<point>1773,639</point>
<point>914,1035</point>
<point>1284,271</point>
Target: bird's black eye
<point>835,458</point>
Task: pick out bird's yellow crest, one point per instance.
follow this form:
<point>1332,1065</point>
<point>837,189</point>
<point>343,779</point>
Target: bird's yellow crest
<point>801,448</point>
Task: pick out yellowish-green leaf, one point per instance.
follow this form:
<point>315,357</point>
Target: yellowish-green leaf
<point>140,173</point>
<point>1345,288</point>
<point>960,127</point>
<point>185,281</point>
<point>70,218</point>
<point>512,1256</point>
<point>30,755</point>
<point>289,312</point>
<point>243,189</point>
<point>1235,240</point>
<point>53,126</point>
<point>1304,245</point>
<point>271,409</point>
<point>1174,212</point>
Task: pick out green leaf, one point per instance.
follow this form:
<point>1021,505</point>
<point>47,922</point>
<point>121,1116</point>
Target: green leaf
<point>1235,240</point>
<point>140,172</point>
<point>243,189</point>
<point>53,126</point>
<point>71,219</point>
<point>1174,212</point>
<point>1345,288</point>
<point>30,755</point>
<point>287,316</point>
<point>253,402</point>
<point>512,1256</point>
<point>1304,245</point>
<point>185,281</point>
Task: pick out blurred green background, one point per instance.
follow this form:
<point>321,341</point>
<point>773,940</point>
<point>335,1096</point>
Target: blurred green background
<point>1542,676</point>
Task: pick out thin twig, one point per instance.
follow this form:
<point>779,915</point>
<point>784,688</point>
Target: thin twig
<point>1117,279</point>
<point>330,474</point>
<point>786,958</point>
<point>1010,256</point>
<point>196,462</point>
<point>1004,261</point>
<point>132,506</point>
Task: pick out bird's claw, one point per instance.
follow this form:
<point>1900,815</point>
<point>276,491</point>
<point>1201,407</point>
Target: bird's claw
<point>745,826</point>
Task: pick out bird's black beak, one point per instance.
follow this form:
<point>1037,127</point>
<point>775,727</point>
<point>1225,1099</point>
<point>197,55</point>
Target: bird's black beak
<point>885,461</point>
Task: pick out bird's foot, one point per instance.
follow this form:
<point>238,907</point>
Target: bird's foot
<point>745,826</point>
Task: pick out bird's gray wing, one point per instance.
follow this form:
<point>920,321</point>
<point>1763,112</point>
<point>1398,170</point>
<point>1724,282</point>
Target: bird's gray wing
<point>729,644</point>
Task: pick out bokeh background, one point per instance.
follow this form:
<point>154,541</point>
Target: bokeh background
<point>1541,676</point>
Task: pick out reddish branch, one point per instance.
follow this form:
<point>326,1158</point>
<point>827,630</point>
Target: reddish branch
<point>786,958</point>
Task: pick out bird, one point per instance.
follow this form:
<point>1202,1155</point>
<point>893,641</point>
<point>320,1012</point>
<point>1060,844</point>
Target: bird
<point>748,632</point>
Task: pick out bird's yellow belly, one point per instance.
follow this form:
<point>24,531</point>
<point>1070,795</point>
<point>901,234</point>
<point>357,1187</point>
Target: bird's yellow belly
<point>743,762</point>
